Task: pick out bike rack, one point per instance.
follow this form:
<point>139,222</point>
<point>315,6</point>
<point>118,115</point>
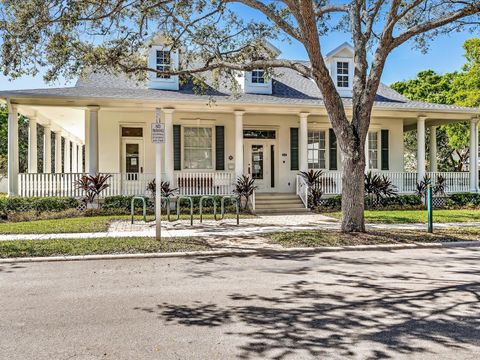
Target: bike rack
<point>180,198</point>
<point>214,206</point>
<point>132,207</point>
<point>237,207</point>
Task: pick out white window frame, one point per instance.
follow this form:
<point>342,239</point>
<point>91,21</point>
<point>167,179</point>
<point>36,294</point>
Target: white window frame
<point>162,66</point>
<point>324,128</point>
<point>340,76</point>
<point>259,75</point>
<point>325,132</point>
<point>379,152</point>
<point>344,91</point>
<point>212,127</point>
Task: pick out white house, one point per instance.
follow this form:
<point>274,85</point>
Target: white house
<point>274,128</point>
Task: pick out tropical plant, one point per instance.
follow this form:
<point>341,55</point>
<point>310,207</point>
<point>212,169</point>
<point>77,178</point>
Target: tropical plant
<point>166,190</point>
<point>422,185</point>
<point>379,187</point>
<point>315,192</point>
<point>244,188</point>
<point>440,186</point>
<point>92,186</point>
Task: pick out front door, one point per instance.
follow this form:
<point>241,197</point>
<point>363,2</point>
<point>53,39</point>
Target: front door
<point>260,164</point>
<point>132,158</point>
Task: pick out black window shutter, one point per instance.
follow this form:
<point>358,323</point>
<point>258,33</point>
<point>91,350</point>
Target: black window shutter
<point>177,147</point>
<point>385,154</point>
<point>332,154</point>
<point>219,147</point>
<point>294,149</point>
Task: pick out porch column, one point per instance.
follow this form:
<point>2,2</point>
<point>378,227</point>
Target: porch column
<point>92,139</point>
<point>47,149</point>
<point>74,157</point>
<point>433,148</point>
<point>303,142</point>
<point>474,154</point>
<point>80,158</point>
<point>169,164</point>
<point>66,157</point>
<point>12,149</point>
<point>58,152</point>
<point>32,146</point>
<point>238,143</point>
<point>421,147</point>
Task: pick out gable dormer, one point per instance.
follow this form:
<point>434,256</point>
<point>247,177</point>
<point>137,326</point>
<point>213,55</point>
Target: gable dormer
<point>163,58</point>
<point>256,81</point>
<point>340,64</point>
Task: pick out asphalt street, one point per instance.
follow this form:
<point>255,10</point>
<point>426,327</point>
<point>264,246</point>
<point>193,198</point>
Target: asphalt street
<point>405,304</point>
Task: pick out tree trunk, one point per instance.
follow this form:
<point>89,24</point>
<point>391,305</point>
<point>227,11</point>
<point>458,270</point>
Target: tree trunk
<point>353,189</point>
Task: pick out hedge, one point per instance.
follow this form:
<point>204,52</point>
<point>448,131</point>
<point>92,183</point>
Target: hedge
<point>407,201</point>
<point>37,204</point>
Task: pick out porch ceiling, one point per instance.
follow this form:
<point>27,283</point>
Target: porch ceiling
<point>68,119</point>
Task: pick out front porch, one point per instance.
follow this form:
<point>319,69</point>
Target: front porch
<point>206,151</point>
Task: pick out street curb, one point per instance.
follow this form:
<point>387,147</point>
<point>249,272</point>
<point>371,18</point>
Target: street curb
<point>386,247</point>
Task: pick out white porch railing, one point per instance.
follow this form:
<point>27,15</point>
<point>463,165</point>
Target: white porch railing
<point>302,190</point>
<point>204,183</point>
<point>405,182</point>
<point>43,185</point>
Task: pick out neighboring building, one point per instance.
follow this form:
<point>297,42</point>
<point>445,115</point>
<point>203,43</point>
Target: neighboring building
<point>275,128</point>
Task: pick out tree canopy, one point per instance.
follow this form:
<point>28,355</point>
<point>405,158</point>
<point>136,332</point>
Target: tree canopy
<point>461,87</point>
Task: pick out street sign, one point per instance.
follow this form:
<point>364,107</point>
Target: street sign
<point>158,133</point>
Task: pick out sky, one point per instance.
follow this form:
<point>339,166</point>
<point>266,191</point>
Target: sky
<point>445,55</point>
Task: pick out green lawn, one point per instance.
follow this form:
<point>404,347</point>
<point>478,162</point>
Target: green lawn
<point>416,216</point>
<point>81,224</point>
<point>64,247</point>
<point>319,238</point>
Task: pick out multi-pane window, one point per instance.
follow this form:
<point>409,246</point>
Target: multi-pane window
<point>316,149</point>
<point>373,150</point>
<point>258,77</point>
<point>342,74</point>
<point>164,63</point>
<point>197,148</point>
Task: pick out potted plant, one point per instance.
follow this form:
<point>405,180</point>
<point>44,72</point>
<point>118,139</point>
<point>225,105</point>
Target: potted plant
<point>244,188</point>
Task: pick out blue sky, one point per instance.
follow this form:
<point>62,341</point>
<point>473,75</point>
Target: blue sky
<point>445,55</point>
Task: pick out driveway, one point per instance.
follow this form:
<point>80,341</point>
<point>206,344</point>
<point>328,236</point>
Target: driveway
<point>405,304</point>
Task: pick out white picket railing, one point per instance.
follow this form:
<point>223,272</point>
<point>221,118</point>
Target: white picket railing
<point>302,190</point>
<point>455,182</point>
<point>405,182</point>
<point>204,183</point>
<point>44,185</point>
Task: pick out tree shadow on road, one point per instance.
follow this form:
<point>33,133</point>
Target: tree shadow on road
<point>373,315</point>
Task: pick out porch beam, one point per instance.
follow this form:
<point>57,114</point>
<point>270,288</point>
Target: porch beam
<point>169,163</point>
<point>303,142</point>
<point>47,149</point>
<point>421,148</point>
<point>433,148</point>
<point>474,154</point>
<point>58,152</point>
<point>13,166</point>
<point>92,139</point>
<point>238,143</point>
<point>32,146</point>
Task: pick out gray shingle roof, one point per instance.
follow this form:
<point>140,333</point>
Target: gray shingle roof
<point>288,87</point>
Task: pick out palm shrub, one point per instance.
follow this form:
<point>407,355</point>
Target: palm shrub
<point>244,188</point>
<point>92,186</point>
<point>440,186</point>
<point>378,188</point>
<point>315,192</point>
<point>422,185</point>
<point>166,190</point>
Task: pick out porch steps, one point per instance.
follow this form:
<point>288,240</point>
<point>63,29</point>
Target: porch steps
<point>279,203</point>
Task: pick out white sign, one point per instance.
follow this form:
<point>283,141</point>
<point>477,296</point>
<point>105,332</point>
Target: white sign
<point>158,133</point>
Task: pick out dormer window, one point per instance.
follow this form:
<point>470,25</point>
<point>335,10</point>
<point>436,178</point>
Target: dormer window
<point>164,63</point>
<point>258,77</point>
<point>342,74</point>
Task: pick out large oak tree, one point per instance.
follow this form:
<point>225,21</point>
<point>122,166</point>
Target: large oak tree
<point>68,36</point>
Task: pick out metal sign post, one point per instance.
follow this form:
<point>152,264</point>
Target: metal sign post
<point>430,208</point>
<point>158,138</point>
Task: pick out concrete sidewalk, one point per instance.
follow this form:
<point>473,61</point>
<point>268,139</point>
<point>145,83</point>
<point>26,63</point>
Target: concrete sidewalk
<point>250,227</point>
